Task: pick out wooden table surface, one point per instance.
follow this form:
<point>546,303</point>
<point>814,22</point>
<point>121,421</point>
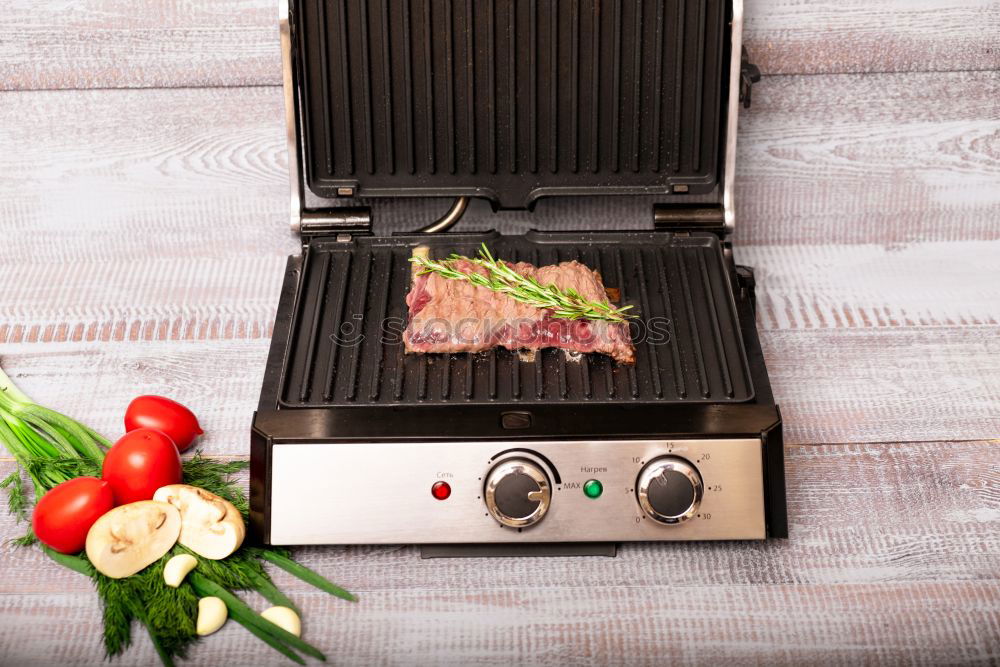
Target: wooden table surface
<point>143,199</point>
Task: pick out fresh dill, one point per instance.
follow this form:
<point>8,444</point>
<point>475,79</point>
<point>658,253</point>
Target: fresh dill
<point>68,467</point>
<point>217,476</point>
<point>169,613</point>
<point>17,501</point>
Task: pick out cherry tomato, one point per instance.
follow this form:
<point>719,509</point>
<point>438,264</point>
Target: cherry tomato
<point>140,462</point>
<point>64,515</point>
<point>163,414</point>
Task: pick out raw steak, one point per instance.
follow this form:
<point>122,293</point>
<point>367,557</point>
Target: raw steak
<point>456,316</point>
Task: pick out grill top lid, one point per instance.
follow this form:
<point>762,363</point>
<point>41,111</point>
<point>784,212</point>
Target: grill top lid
<point>512,100</point>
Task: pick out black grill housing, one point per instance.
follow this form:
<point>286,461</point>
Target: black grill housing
<point>404,98</point>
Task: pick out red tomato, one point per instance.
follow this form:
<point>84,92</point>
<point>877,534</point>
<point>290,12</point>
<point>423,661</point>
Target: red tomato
<point>139,463</point>
<point>163,414</point>
<point>64,515</point>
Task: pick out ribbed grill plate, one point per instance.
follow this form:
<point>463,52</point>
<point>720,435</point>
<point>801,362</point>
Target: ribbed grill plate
<point>511,99</point>
<point>344,346</point>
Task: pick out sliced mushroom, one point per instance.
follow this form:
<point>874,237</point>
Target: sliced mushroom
<point>130,537</point>
<point>211,526</point>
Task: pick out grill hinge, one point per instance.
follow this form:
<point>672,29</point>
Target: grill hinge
<point>334,221</point>
<point>749,75</point>
<point>689,218</point>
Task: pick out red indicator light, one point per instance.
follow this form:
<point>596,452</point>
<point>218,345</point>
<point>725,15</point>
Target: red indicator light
<point>441,490</point>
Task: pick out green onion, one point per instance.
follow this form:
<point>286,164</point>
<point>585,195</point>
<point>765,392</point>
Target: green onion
<point>305,574</point>
<point>75,563</point>
<point>270,641</point>
<point>247,616</point>
<point>271,593</point>
<point>31,431</point>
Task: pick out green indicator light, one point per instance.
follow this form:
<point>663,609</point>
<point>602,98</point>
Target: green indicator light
<point>592,488</point>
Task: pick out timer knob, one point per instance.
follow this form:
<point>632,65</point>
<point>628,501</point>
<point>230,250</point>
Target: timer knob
<point>517,493</point>
<point>669,489</point>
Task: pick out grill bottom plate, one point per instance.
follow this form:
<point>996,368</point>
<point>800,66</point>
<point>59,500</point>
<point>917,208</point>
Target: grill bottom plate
<point>344,346</point>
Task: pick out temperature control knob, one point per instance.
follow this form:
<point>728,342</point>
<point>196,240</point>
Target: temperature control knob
<point>517,493</point>
<point>669,489</point>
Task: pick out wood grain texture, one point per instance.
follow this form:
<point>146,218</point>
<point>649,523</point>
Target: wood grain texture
<point>788,625</point>
<point>886,385</point>
<point>173,43</point>
<point>120,44</point>
<point>793,37</point>
<point>900,623</point>
<point>886,158</point>
<point>865,286</point>
<point>93,176</point>
<point>219,379</point>
<point>845,159</point>
<point>179,296</point>
<point>859,580</point>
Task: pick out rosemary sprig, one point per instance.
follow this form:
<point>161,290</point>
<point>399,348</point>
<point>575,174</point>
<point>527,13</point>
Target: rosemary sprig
<point>500,277</point>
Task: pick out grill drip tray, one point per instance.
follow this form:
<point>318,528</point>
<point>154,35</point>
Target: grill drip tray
<point>345,344</point>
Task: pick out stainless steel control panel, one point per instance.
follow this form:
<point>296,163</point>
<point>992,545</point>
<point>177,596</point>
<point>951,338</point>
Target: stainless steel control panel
<point>545,491</point>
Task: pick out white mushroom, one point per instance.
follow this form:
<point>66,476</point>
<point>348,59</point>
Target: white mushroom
<point>211,526</point>
<point>212,614</point>
<point>177,568</point>
<point>284,618</point>
<point>130,537</point>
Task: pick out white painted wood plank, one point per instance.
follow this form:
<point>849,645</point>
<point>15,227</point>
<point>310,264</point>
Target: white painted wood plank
<point>782,625</point>
<point>152,298</point>
<point>877,158</point>
<point>844,159</point>
<point>92,176</point>
<point>219,379</point>
<point>885,285</point>
<point>792,37</point>
<point>173,295</point>
<point>937,383</point>
<point>114,44</point>
<point>834,386</point>
<point>117,44</point>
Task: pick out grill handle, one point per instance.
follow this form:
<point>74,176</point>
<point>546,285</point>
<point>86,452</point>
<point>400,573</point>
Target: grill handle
<point>448,220</point>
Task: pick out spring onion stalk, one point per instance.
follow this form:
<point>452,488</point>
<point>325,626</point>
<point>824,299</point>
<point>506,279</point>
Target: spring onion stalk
<point>296,569</point>
<point>8,387</point>
<point>271,593</point>
<point>247,616</point>
<point>31,431</point>
<point>35,433</point>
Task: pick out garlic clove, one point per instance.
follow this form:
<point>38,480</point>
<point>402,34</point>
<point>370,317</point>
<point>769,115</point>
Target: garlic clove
<point>212,614</point>
<point>211,526</point>
<point>177,568</point>
<point>284,618</point>
<point>131,537</point>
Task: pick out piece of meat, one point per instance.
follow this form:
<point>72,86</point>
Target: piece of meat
<point>456,316</point>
